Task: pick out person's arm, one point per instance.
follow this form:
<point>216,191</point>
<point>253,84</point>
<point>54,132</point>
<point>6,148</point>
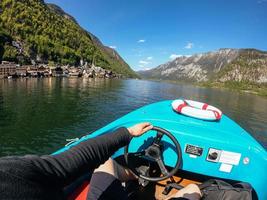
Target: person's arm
<point>61,169</point>
<point>84,157</point>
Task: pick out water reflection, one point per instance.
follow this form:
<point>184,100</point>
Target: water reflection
<point>37,115</point>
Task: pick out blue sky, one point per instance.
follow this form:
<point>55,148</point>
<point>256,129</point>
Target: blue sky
<point>147,33</point>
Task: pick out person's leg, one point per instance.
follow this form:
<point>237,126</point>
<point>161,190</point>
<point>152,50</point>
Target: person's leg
<point>116,170</point>
<point>104,186</point>
<point>190,192</point>
<point>106,181</point>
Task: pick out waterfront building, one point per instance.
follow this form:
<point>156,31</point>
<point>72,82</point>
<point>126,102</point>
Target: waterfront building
<point>7,69</point>
<point>32,71</point>
<point>21,71</point>
<point>42,71</point>
<point>56,71</point>
<point>74,71</point>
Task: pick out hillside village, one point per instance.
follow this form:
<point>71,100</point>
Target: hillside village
<point>12,70</point>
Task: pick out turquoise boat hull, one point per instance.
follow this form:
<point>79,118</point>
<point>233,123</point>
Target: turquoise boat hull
<point>241,157</point>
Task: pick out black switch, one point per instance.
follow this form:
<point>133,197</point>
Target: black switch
<point>213,156</point>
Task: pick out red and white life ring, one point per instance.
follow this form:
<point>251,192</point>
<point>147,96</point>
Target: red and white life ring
<point>197,109</point>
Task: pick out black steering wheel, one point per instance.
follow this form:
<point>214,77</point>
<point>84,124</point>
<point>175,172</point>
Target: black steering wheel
<point>154,153</point>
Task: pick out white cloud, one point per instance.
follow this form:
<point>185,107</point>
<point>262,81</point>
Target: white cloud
<point>147,68</point>
<point>143,62</point>
<point>113,47</point>
<point>144,67</point>
<point>189,45</point>
<point>173,56</point>
<point>141,41</point>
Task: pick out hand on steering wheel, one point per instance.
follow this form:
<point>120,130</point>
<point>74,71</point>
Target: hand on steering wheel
<point>154,153</point>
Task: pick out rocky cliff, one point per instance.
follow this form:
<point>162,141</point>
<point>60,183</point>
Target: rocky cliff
<point>224,65</point>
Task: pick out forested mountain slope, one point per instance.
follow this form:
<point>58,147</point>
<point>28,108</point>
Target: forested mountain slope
<point>33,30</point>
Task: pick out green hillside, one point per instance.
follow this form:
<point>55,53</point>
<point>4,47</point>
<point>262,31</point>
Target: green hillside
<point>33,30</point>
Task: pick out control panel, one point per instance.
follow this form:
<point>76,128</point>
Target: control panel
<point>225,159</point>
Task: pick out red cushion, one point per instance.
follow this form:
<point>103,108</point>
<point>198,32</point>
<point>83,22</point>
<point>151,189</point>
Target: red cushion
<point>81,192</point>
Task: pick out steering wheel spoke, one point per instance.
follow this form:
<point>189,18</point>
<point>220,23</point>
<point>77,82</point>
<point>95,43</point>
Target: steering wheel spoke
<point>162,167</point>
<point>158,138</point>
<point>138,154</point>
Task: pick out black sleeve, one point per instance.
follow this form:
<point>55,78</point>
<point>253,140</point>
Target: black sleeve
<point>63,168</point>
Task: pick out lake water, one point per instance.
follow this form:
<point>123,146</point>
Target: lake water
<point>38,115</point>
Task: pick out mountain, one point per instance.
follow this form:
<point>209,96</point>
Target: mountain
<point>32,30</point>
<point>222,66</point>
<point>61,12</point>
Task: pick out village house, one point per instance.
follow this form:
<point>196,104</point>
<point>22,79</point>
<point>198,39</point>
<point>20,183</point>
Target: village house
<point>65,70</point>
<point>7,69</point>
<point>108,74</point>
<point>21,71</point>
<point>43,71</point>
<point>89,73</point>
<point>56,71</point>
<point>74,71</point>
<point>32,71</point>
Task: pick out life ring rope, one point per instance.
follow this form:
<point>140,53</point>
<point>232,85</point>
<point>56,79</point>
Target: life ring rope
<point>197,109</point>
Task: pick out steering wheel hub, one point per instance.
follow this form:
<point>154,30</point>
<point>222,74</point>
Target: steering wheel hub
<point>153,152</point>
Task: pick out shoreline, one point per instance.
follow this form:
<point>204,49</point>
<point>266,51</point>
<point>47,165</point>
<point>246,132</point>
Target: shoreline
<point>255,89</point>
<point>242,87</point>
